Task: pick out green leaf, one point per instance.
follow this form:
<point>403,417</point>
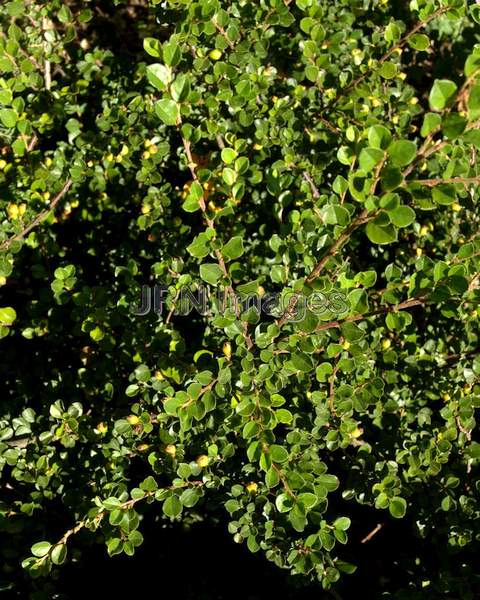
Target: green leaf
<point>153,47</point>
<point>419,41</point>
<point>402,216</point>
<point>172,507</point>
<point>474,102</point>
<point>41,549</point>
<point>229,176</point>
<point>377,234</point>
<point>228,155</point>
<point>430,122</point>
<point>441,94</point>
<point>7,315</point>
<point>402,152</point>
<point>159,76</point>
<point>211,273</point>
<point>172,54</point>
<point>444,194</point>
<point>379,137</point>
<point>278,454</point>
<point>328,482</point>
<point>397,507</point>
<point>388,70</point>
<point>59,554</point>
<point>180,89</point>
<point>8,117</point>
<point>369,158</point>
<point>342,523</point>
<point>233,248</point>
<point>168,111</point>
<point>307,500</point>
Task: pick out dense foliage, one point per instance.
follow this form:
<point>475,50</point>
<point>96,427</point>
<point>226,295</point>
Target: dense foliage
<point>321,150</point>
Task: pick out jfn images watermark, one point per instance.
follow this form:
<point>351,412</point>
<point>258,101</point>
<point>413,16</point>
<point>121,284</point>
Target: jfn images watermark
<point>159,299</point>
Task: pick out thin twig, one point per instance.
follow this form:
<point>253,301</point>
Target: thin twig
<point>420,25</point>
<point>39,218</point>
<point>374,531</point>
<point>363,217</point>
<point>438,181</point>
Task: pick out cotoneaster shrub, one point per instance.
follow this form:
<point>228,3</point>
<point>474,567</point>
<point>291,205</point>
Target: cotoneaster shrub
<point>297,147</point>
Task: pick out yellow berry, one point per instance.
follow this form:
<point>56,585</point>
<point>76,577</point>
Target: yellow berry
<point>257,146</point>
<point>202,461</point>
<point>48,162</point>
<point>109,157</point>
<point>124,150</point>
<point>90,163</point>
<point>215,54</point>
<point>386,344</point>
<point>3,164</point>
<point>446,397</point>
<point>153,149</point>
<point>133,419</point>
<point>3,280</point>
<point>146,155</point>
<point>46,196</point>
<point>147,143</point>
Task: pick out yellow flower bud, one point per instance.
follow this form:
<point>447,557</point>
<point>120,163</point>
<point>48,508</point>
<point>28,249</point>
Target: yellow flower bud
<point>456,207</point>
<point>419,251</point>
<point>423,230</point>
<point>251,487</point>
<point>227,350</point>
<point>171,449</point>
<point>102,428</point>
<point>133,419</point>
<point>386,343</point>
<point>346,345</point>
<point>356,433</point>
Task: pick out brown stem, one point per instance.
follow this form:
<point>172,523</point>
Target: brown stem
<point>362,218</point>
<point>438,181</point>
<point>218,254</point>
<point>374,531</point>
<point>39,218</point>
<point>420,25</point>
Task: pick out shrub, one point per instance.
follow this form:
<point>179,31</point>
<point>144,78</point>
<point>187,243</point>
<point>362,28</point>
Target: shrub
<point>321,156</point>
